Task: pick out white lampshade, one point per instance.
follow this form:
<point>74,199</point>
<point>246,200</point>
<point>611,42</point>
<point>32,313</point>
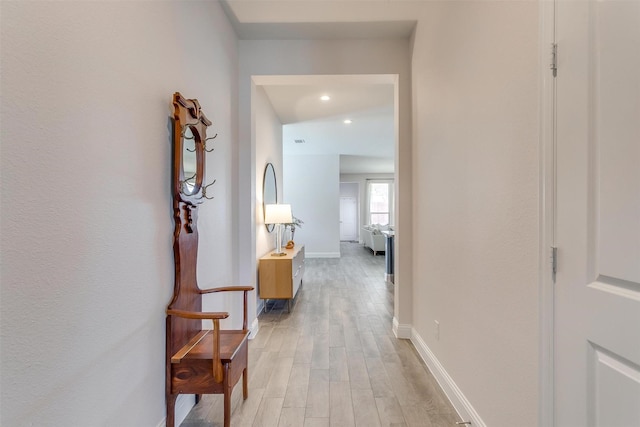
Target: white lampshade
<point>277,214</point>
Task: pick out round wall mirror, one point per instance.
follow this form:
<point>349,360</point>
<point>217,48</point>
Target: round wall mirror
<point>189,161</point>
<point>269,191</point>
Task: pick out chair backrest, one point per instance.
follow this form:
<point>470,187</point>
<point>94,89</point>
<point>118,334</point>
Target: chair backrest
<point>189,141</point>
<point>186,295</point>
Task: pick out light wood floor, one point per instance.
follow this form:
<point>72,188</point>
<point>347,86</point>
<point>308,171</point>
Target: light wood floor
<point>334,360</point>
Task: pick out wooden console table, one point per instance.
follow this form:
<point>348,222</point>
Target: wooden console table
<point>281,276</point>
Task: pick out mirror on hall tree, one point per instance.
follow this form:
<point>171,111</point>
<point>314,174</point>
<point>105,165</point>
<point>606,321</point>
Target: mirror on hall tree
<point>269,191</point>
<point>189,161</point>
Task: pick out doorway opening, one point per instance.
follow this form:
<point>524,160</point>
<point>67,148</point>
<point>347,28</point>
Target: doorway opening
<point>333,129</point>
<point>349,203</point>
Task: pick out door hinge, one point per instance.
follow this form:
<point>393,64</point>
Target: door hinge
<point>554,262</point>
<point>554,59</point>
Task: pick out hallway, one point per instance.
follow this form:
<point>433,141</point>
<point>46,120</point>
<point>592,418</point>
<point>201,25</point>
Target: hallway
<point>334,360</point>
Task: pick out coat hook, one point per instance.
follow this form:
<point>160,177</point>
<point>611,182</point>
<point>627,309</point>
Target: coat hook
<point>186,182</point>
<point>204,191</point>
<point>188,179</point>
<point>193,137</point>
<point>185,128</point>
<point>204,145</point>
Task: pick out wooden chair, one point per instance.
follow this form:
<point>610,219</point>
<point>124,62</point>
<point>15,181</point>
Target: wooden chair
<point>198,361</point>
<point>209,361</point>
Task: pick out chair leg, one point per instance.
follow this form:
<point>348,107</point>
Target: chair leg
<point>245,387</point>
<point>171,410</point>
<point>227,397</point>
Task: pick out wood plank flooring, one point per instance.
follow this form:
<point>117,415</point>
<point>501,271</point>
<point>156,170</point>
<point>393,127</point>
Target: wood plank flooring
<point>333,361</point>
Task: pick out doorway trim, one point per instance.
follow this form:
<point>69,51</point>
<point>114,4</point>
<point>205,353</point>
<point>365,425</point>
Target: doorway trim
<point>402,262</point>
<point>547,205</point>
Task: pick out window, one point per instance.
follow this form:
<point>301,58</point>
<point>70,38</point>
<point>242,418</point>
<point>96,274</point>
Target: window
<point>380,202</point>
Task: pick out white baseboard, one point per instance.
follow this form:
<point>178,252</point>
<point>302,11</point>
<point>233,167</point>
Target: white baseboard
<point>254,328</point>
<point>322,255</point>
<point>401,331</point>
<point>184,403</point>
<point>458,400</point>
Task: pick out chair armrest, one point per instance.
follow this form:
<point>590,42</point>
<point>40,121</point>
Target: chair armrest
<point>227,289</point>
<point>215,318</point>
<point>245,289</point>
<point>202,315</point>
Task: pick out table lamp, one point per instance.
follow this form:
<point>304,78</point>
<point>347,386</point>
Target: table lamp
<point>278,215</point>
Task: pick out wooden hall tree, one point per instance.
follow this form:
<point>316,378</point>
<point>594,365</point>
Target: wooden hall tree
<point>198,361</point>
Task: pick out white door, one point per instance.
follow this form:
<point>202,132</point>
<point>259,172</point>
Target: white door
<point>348,218</point>
<point>597,289</point>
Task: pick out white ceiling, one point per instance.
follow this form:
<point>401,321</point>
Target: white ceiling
<point>299,103</point>
<point>365,145</point>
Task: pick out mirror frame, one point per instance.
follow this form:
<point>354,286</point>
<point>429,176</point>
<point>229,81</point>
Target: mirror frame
<point>187,112</point>
<point>268,168</point>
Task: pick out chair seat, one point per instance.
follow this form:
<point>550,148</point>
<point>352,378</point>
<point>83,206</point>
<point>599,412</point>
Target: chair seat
<point>201,346</point>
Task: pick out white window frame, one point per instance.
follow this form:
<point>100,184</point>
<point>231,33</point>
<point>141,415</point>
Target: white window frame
<point>390,211</point>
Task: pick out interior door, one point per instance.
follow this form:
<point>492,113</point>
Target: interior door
<point>597,289</point>
<point>348,218</point>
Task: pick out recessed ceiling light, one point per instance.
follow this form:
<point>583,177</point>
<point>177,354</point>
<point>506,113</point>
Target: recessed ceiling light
<point>325,98</point>
<point>348,122</point>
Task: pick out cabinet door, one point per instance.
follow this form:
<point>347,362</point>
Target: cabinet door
<point>275,278</point>
<point>298,270</point>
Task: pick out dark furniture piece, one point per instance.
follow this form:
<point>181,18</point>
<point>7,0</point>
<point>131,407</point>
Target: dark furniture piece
<point>198,361</point>
<point>389,255</point>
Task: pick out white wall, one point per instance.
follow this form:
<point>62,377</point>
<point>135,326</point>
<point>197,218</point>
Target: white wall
<point>312,187</point>
<point>268,133</point>
<point>87,225</point>
<point>475,193</point>
<point>349,189</point>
